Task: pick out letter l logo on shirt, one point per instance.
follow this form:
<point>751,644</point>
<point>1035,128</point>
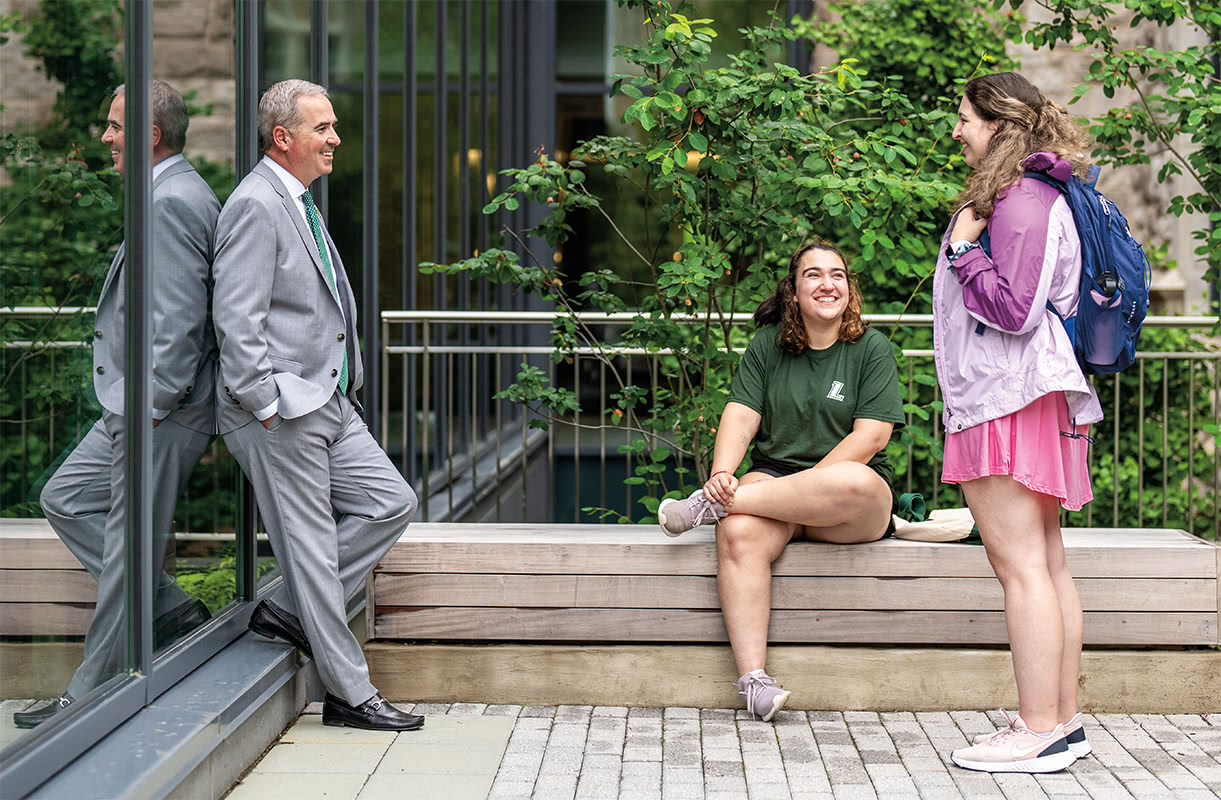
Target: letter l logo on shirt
<point>834,394</point>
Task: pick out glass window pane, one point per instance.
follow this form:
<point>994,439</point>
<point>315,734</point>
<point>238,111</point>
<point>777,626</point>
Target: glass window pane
<point>286,40</point>
<point>59,242</point>
<point>582,49</point>
<point>62,403</point>
<point>194,479</point>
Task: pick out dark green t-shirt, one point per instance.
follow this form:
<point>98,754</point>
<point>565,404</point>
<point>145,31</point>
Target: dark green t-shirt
<point>810,401</point>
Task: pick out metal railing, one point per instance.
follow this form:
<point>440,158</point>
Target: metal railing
<point>464,450</point>
<point>437,448</point>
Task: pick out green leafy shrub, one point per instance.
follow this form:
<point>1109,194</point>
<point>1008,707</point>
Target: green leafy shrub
<point>1178,97</point>
<point>729,176</point>
<point>752,159</point>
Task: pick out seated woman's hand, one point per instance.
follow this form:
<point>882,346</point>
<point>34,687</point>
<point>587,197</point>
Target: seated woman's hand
<point>720,488</point>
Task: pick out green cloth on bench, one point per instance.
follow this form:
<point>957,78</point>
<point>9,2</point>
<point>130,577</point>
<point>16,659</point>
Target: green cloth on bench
<point>913,509</point>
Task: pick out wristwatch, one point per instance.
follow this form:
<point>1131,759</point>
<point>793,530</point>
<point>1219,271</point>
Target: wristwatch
<point>958,248</point>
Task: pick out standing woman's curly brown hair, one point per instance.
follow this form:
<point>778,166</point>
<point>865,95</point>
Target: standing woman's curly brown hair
<point>782,310</point>
<point>1028,123</point>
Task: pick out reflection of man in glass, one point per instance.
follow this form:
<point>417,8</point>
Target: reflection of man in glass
<point>85,501</point>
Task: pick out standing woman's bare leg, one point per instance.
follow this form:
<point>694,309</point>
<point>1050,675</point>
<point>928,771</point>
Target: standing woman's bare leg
<point>1011,521</point>
<point>1070,609</point>
<point>746,547</point>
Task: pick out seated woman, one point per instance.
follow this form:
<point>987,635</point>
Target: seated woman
<point>819,395</point>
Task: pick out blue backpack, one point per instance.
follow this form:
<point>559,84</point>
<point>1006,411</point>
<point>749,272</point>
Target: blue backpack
<point>1115,278</point>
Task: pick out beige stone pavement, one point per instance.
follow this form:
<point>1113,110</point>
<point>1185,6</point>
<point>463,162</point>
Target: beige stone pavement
<point>470,751</point>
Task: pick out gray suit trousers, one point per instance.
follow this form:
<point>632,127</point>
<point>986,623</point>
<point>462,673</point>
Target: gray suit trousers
<point>332,504</point>
<point>85,503</point>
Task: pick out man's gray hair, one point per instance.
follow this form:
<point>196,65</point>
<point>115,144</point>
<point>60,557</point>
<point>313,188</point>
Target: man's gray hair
<point>169,114</point>
<point>278,108</point>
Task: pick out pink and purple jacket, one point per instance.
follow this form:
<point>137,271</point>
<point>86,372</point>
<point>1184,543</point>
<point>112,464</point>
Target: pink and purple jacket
<point>1021,352</point>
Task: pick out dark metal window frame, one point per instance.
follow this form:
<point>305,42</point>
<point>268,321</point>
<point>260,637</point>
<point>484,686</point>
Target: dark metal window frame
<point>450,399</point>
<point>38,756</point>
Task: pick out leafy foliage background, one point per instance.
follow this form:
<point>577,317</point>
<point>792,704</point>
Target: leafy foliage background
<point>730,169</point>
<point>61,219</point>
<point>727,170</point>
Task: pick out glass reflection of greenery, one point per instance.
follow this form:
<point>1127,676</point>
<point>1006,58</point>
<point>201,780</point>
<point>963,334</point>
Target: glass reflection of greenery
<point>60,221</point>
<point>215,585</point>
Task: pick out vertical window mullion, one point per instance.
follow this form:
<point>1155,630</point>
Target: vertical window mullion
<point>320,73</point>
<point>371,334</point>
<point>410,224</point>
<point>440,206</point>
<point>464,212</point>
<point>247,31</point>
<point>139,335</point>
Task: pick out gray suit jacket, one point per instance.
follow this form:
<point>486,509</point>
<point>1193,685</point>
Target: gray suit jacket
<point>185,211</point>
<point>282,331</point>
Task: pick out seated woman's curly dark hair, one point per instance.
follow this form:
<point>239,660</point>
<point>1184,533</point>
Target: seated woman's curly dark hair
<point>782,310</point>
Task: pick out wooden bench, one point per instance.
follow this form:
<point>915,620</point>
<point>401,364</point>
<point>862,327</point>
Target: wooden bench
<point>46,591</point>
<point>622,615</point>
<point>609,583</point>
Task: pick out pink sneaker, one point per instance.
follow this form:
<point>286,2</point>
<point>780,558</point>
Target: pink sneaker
<point>679,516</point>
<point>1017,749</point>
<point>763,697</point>
<point>980,738</point>
<point>1074,733</point>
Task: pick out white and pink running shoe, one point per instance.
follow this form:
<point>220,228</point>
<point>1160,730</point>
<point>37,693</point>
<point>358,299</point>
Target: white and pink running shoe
<point>1017,749</point>
<point>1074,732</point>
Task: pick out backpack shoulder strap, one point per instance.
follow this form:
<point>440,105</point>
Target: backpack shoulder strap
<point>1042,178</point>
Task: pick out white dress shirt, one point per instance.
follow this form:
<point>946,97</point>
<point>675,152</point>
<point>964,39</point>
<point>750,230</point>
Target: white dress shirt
<point>165,163</point>
<point>294,187</point>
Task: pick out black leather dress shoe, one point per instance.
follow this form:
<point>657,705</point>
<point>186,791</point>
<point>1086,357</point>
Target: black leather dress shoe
<point>178,622</point>
<point>375,714</point>
<point>32,719</point>
<point>274,622</point>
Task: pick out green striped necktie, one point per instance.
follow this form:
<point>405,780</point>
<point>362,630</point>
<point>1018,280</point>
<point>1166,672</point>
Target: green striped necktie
<point>315,226</point>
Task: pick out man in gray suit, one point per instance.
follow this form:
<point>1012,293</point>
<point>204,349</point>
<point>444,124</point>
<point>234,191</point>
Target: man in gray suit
<point>85,501</point>
<point>290,364</point>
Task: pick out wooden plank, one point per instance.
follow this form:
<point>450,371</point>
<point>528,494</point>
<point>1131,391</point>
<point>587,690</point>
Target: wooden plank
<point>820,678</point>
<point>695,554</point>
<point>560,533</point>
<point>44,619</point>
<point>38,550</point>
<point>15,528</point>
<point>655,591</point>
<point>642,549</point>
<point>38,669</point>
<point>47,586</point>
<point>370,602</point>
<point>820,627</point>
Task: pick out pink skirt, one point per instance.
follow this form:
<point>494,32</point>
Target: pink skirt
<point>1028,446</point>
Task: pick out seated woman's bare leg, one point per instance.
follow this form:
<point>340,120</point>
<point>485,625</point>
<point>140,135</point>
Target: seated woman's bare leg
<point>844,503</point>
<point>746,547</point>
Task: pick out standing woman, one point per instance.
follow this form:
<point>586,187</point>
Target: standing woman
<point>818,393</point>
<point>1017,406</point>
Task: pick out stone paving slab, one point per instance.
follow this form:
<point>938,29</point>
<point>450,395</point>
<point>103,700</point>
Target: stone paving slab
<point>472,751</point>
